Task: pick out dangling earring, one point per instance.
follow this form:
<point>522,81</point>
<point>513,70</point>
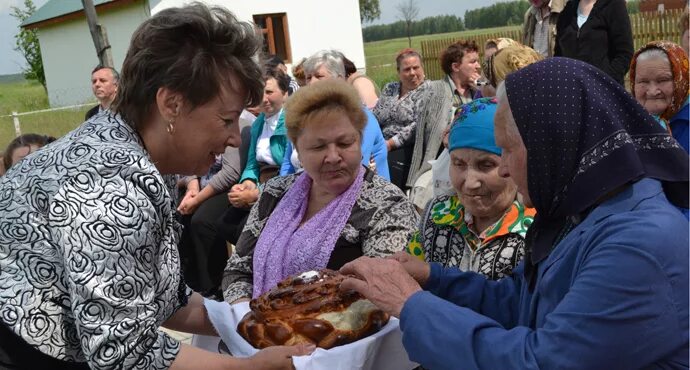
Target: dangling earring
<point>171,127</point>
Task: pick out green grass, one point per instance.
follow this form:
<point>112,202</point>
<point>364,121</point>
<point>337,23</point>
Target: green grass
<point>22,96</point>
<point>27,97</point>
<point>380,55</point>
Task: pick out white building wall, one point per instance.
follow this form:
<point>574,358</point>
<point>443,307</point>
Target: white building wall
<point>313,24</point>
<point>69,55</point>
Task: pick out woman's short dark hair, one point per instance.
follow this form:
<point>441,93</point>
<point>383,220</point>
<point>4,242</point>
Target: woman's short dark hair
<point>281,78</point>
<point>22,141</point>
<point>406,53</point>
<point>455,52</point>
<point>192,50</point>
<point>350,67</point>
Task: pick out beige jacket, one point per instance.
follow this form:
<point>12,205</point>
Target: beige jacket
<point>530,22</point>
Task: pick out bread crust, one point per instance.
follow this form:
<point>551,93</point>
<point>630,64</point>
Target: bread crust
<point>289,313</point>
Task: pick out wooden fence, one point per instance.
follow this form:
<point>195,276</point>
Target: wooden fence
<point>646,27</point>
<point>651,26</point>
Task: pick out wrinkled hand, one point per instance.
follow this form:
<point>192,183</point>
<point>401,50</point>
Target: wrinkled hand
<point>189,203</point>
<point>279,357</point>
<point>383,281</point>
<point>418,269</point>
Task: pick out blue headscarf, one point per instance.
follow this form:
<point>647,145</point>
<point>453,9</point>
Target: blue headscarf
<point>473,127</point>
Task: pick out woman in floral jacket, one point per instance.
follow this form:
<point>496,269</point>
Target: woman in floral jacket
<point>482,227</point>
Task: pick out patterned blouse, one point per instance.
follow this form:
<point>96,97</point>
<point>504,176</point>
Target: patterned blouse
<point>89,267</point>
<point>444,236</point>
<point>381,223</point>
<point>398,116</point>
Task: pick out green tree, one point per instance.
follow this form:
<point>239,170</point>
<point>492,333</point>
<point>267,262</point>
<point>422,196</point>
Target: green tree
<point>408,13</point>
<point>369,10</point>
<point>27,44</point>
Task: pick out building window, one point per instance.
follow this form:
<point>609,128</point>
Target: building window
<point>274,28</point>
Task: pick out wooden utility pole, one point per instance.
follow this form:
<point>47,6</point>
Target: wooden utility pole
<point>98,34</point>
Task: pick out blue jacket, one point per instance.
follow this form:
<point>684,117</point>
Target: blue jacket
<point>278,143</point>
<point>679,130</point>
<point>373,145</point>
<point>679,127</point>
<point>613,294</point>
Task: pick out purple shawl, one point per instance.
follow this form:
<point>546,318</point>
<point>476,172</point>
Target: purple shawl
<point>284,248</point>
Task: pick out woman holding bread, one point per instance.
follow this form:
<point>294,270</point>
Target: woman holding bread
<point>89,267</point>
<point>335,211</point>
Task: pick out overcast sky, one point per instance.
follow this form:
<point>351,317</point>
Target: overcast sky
<point>12,62</point>
<point>428,8</point>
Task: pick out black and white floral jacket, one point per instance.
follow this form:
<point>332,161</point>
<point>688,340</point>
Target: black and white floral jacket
<point>89,267</point>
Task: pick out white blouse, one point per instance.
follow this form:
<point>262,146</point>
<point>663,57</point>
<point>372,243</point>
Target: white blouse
<point>263,144</point>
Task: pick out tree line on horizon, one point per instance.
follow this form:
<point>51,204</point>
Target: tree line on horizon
<point>425,26</point>
<point>496,15</point>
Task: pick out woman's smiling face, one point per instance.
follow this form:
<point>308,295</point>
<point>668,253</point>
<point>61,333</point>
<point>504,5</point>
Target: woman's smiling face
<point>475,177</point>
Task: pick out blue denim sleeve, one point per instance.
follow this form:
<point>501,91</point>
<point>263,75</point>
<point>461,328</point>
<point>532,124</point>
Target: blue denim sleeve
<point>286,167</point>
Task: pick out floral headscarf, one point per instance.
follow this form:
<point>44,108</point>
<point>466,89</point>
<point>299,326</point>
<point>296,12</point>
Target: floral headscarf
<point>679,69</point>
<point>509,60</point>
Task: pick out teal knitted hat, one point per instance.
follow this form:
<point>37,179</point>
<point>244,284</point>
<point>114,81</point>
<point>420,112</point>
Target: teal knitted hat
<point>473,126</point>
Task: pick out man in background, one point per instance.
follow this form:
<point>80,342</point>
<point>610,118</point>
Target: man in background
<point>539,26</point>
<point>104,81</point>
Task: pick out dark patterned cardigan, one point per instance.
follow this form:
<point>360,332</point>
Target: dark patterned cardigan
<point>382,221</point>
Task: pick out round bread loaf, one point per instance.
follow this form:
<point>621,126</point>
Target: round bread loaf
<point>310,308</point>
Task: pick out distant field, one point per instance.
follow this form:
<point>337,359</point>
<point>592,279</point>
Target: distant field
<point>27,97</point>
<point>380,55</point>
<point>11,78</point>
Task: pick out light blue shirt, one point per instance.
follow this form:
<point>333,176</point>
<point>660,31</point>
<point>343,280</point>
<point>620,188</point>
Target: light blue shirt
<point>581,19</point>
<point>373,146</point>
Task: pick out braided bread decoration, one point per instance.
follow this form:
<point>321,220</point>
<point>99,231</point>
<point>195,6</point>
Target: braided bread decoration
<point>310,308</point>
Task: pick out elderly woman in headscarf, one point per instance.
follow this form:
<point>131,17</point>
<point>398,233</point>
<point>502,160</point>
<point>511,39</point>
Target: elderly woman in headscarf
<point>659,80</point>
<point>482,226</point>
<point>604,283</point>
<point>490,48</point>
<point>510,57</point>
<point>331,213</point>
<point>508,60</point>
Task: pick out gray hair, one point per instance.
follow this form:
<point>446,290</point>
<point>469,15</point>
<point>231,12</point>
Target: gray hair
<point>653,53</point>
<point>331,59</point>
<point>116,75</point>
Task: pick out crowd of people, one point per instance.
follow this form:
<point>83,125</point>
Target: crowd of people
<point>524,211</point>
